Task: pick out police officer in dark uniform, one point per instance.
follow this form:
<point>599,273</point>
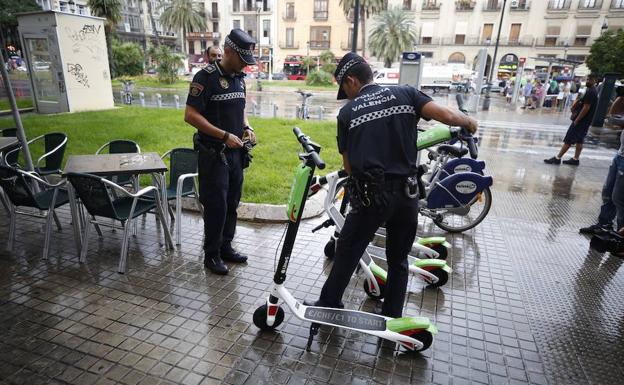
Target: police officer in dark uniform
<point>377,139</point>
<point>215,106</point>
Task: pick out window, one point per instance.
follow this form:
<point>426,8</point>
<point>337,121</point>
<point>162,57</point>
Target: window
<point>457,57</point>
<point>290,37</point>
<point>552,35</point>
<point>215,10</point>
<point>235,6</point>
<point>514,33</point>
<point>236,24</point>
<point>319,37</point>
<point>426,40</point>
<point>588,3</point>
<point>191,45</point>
<point>426,33</point>
<point>290,11</point>
<point>550,41</point>
<point>320,10</point>
<point>44,4</point>
<point>460,32</point>
<point>266,28</point>
<point>486,35</point>
<point>428,55</point>
<point>557,4</point>
<point>460,39</point>
<point>407,5</point>
<point>580,41</point>
<point>215,26</point>
<point>618,4</point>
<point>582,35</point>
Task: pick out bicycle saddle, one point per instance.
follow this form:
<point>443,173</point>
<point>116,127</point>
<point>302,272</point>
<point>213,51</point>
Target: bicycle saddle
<point>452,150</point>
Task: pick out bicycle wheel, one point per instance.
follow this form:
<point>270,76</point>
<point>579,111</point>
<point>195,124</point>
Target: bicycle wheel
<point>457,223</point>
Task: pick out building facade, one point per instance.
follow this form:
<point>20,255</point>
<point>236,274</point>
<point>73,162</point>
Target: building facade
<point>72,6</point>
<point>454,31</point>
<point>307,28</point>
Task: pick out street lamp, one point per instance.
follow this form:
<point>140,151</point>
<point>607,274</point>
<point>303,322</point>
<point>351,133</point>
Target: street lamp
<point>258,34</point>
<point>605,26</point>
<point>486,99</point>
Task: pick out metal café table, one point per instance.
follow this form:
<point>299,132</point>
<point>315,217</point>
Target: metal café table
<point>8,143</point>
<point>116,164</point>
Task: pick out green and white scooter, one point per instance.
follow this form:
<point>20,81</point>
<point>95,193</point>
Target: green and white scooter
<point>412,333</point>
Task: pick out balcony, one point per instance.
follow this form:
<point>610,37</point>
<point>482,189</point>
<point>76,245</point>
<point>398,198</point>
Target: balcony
<point>524,41</point>
<point>429,41</point>
<point>246,10</point>
<point>321,15</point>
<point>491,6</point>
<point>465,5</point>
<point>289,45</point>
<point>589,5</point>
<point>215,15</point>
<point>558,5</point>
<point>429,5</point>
<point>520,5</point>
<point>319,44</point>
<point>289,16</point>
<point>617,5</point>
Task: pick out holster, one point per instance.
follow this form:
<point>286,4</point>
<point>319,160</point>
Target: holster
<point>368,189</point>
<point>246,154</point>
<point>210,151</point>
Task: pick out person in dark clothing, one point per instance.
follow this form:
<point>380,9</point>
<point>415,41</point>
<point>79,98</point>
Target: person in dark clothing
<point>377,139</point>
<point>582,113</point>
<point>213,54</point>
<point>216,107</point>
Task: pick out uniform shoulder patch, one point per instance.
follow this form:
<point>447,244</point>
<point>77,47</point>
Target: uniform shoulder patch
<point>196,89</point>
<point>210,68</point>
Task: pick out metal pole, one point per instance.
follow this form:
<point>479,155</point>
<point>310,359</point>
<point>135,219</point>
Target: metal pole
<point>486,99</point>
<point>21,136</point>
<point>356,21</point>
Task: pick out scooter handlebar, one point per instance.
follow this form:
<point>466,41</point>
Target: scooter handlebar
<point>309,148</point>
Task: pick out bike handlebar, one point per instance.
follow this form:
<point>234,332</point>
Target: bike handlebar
<point>307,147</point>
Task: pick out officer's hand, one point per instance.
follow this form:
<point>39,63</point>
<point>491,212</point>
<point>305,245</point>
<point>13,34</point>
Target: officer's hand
<point>233,141</point>
<point>250,135</point>
<point>472,125</point>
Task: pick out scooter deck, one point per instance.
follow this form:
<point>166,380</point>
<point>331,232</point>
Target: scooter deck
<point>346,318</point>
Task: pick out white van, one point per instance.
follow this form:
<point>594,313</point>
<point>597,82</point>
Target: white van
<point>387,77</point>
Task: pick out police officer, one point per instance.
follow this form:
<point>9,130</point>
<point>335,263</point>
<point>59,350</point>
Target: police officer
<point>377,140</point>
<point>215,106</point>
<point>213,54</point>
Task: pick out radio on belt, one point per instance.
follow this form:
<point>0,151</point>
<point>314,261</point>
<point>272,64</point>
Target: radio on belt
<point>411,69</point>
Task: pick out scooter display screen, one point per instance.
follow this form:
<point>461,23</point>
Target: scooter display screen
<point>347,318</point>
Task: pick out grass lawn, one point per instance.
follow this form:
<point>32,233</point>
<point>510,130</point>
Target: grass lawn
<point>266,181</point>
<point>21,103</point>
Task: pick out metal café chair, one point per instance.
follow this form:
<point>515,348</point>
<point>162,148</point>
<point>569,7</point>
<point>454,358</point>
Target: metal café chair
<point>182,183</point>
<point>50,162</point>
<point>18,186</point>
<point>122,146</point>
<point>95,194</point>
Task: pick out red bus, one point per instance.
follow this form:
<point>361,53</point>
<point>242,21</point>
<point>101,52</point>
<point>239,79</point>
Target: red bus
<point>294,68</point>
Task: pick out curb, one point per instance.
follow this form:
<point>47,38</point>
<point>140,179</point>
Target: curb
<point>267,213</point>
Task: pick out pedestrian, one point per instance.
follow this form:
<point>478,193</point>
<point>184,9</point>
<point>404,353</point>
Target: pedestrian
<point>582,113</point>
<point>526,92</point>
<point>538,96</point>
<point>213,54</point>
<point>612,196</point>
<point>376,136</point>
<point>216,107</point>
<point>509,91</point>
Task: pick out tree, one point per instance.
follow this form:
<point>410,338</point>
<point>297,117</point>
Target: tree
<point>182,15</point>
<point>605,55</point>
<point>128,58</point>
<point>328,62</point>
<point>394,33</point>
<point>150,13</point>
<point>167,63</point>
<point>111,11</point>
<point>8,20</point>
<point>367,8</point>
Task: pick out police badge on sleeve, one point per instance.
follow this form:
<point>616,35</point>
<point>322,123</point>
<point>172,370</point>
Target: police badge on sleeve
<point>196,89</point>
<point>224,83</point>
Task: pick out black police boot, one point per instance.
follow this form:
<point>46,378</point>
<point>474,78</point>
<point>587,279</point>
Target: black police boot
<point>216,265</point>
<point>231,255</point>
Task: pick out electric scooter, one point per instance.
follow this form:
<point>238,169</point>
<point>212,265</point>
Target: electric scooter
<point>412,333</point>
<point>433,271</point>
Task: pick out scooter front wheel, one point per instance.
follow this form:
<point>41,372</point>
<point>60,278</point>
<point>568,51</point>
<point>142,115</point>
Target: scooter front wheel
<point>260,318</point>
<point>442,276</point>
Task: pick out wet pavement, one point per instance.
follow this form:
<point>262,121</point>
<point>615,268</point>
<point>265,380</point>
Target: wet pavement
<point>527,301</point>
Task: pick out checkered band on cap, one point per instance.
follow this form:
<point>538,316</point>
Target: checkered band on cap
<point>346,67</point>
<point>236,48</point>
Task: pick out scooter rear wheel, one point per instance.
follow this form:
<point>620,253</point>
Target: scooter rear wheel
<point>442,276</point>
<point>260,318</point>
<point>440,249</point>
<point>423,336</point>
<point>369,291</point>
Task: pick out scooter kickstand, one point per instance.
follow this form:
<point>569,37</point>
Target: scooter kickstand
<point>313,331</point>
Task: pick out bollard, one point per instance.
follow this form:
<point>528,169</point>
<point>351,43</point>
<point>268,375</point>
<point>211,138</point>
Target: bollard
<point>159,100</point>
<point>176,98</point>
<point>254,108</point>
<point>142,99</point>
<point>122,95</point>
<point>321,112</point>
<point>297,112</point>
<point>274,110</point>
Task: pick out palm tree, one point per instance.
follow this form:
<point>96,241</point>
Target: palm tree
<point>111,11</point>
<point>367,7</point>
<point>185,15</point>
<point>394,33</point>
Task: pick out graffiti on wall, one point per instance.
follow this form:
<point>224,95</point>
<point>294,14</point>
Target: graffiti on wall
<point>78,73</point>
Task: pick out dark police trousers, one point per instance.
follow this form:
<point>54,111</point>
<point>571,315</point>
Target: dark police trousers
<point>401,219</point>
<point>220,188</point>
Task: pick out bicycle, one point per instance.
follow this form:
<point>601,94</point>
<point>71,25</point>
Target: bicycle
<point>127,91</point>
<point>303,111</point>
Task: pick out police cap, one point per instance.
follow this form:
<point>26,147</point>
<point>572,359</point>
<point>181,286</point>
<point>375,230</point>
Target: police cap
<point>243,44</point>
<point>347,61</point>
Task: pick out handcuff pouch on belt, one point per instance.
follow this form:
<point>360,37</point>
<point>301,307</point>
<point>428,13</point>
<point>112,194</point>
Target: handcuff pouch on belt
<point>212,150</point>
<point>247,157</point>
<point>368,189</point>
